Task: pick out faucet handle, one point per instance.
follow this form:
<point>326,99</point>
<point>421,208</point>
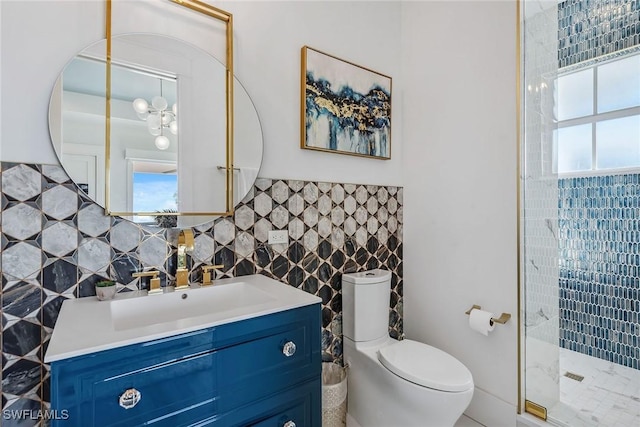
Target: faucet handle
<point>154,283</point>
<point>206,273</point>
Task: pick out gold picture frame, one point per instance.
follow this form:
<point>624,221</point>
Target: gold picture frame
<point>345,108</point>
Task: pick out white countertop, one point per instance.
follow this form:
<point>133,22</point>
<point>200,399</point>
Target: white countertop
<point>86,325</point>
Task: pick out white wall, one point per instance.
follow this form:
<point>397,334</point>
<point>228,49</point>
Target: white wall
<point>267,36</point>
<point>460,157</point>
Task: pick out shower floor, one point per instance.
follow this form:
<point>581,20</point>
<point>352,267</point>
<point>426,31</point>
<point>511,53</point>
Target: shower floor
<point>608,396</point>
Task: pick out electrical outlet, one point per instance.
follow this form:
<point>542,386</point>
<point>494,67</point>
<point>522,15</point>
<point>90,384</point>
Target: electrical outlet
<point>278,236</point>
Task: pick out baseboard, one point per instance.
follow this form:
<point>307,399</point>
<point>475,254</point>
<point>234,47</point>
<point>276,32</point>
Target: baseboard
<point>490,411</point>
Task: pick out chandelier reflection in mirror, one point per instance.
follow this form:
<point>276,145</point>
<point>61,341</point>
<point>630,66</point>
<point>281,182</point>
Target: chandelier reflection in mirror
<point>159,117</point>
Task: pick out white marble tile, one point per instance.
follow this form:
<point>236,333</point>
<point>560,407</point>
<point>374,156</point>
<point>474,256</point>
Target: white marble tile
<point>92,221</point>
<point>21,221</point>
<point>125,236</point>
<point>204,248</point>
<point>21,182</point>
<point>609,395</point>
<point>59,239</point>
<point>59,202</point>
<point>95,255</point>
<point>152,252</point>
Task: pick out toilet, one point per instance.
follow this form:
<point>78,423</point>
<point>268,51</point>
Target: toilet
<point>395,383</point>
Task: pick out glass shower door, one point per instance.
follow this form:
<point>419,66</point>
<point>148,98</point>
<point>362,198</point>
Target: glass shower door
<point>539,207</point>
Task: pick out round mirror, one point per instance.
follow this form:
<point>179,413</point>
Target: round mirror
<point>167,150</point>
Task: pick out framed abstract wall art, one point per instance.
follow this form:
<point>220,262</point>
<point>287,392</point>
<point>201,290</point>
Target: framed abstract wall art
<point>345,108</point>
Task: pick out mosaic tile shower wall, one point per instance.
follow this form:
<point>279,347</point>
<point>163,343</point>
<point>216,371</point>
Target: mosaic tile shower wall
<point>599,227</point>
<point>588,29</point>
<point>56,244</point>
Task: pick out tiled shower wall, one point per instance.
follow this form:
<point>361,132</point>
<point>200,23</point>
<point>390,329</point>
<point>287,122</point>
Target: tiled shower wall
<point>56,244</point>
<point>599,227</point>
<point>599,215</point>
<point>589,29</point>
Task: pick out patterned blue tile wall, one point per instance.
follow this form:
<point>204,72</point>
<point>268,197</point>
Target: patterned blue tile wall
<point>599,233</point>
<point>588,29</point>
<point>56,243</point>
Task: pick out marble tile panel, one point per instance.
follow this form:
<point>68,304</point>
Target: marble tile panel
<point>296,204</point>
<point>95,255</point>
<point>21,182</point>
<point>280,192</point>
<point>279,217</point>
<point>60,202</point>
<point>92,221</point>
<point>263,204</point>
<point>152,252</point>
<point>21,338</point>
<point>296,229</point>
<point>21,377</point>
<point>310,216</point>
<point>55,173</point>
<point>310,193</point>
<point>21,261</point>
<point>59,275</point>
<point>244,217</point>
<point>60,239</point>
<point>125,236</point>
<point>244,244</point>
<point>261,230</point>
<point>224,231</point>
<point>21,299</point>
<point>21,221</point>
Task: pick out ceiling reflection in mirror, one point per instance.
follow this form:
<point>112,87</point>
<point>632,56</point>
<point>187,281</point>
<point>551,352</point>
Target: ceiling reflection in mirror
<point>167,149</point>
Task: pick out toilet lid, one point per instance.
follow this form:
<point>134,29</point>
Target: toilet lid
<point>425,365</point>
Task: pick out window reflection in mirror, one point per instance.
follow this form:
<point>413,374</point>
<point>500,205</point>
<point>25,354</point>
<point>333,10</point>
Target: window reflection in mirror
<point>153,188</point>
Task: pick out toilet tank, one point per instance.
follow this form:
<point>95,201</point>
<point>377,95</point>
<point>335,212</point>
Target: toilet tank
<point>365,304</point>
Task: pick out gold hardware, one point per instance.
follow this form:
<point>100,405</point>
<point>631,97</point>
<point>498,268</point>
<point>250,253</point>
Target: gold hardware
<point>206,273</point>
<point>535,409</point>
<point>186,239</point>
<point>504,317</point>
<point>182,279</point>
<point>185,244</point>
<point>154,283</point>
<point>205,9</point>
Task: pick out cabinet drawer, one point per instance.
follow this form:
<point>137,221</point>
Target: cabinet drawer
<point>300,405</point>
<point>263,366</point>
<point>181,390</point>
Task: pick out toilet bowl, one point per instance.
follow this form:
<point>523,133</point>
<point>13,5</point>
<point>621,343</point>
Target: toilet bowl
<point>395,383</point>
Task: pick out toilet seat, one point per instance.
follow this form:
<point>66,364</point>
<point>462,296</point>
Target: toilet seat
<point>426,366</point>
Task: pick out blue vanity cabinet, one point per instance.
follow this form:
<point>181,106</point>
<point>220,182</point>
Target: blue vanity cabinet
<point>263,371</point>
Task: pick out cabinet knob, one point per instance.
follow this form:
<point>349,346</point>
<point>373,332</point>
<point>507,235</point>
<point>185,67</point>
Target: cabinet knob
<point>289,349</point>
<point>130,398</point>
<point>289,424</point>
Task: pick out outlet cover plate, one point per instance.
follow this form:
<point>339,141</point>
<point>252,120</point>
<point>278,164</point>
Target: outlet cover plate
<point>278,237</point>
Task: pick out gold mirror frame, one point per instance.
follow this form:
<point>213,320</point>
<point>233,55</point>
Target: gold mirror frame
<point>212,12</point>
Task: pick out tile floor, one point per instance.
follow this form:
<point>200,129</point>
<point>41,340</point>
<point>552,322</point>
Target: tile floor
<point>609,395</point>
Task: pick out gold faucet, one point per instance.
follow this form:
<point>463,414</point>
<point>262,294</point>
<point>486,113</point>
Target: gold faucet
<point>185,244</point>
<point>154,283</point>
<point>206,273</point>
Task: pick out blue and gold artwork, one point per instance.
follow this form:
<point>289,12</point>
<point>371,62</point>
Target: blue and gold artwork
<point>345,108</point>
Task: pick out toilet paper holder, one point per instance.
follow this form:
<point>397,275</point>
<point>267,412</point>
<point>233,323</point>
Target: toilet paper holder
<point>504,317</point>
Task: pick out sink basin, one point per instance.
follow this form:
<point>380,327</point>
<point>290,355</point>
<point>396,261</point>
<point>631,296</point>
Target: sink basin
<point>188,304</point>
<point>86,325</point>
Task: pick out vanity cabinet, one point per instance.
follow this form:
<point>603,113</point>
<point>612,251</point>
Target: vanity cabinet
<point>262,371</point>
